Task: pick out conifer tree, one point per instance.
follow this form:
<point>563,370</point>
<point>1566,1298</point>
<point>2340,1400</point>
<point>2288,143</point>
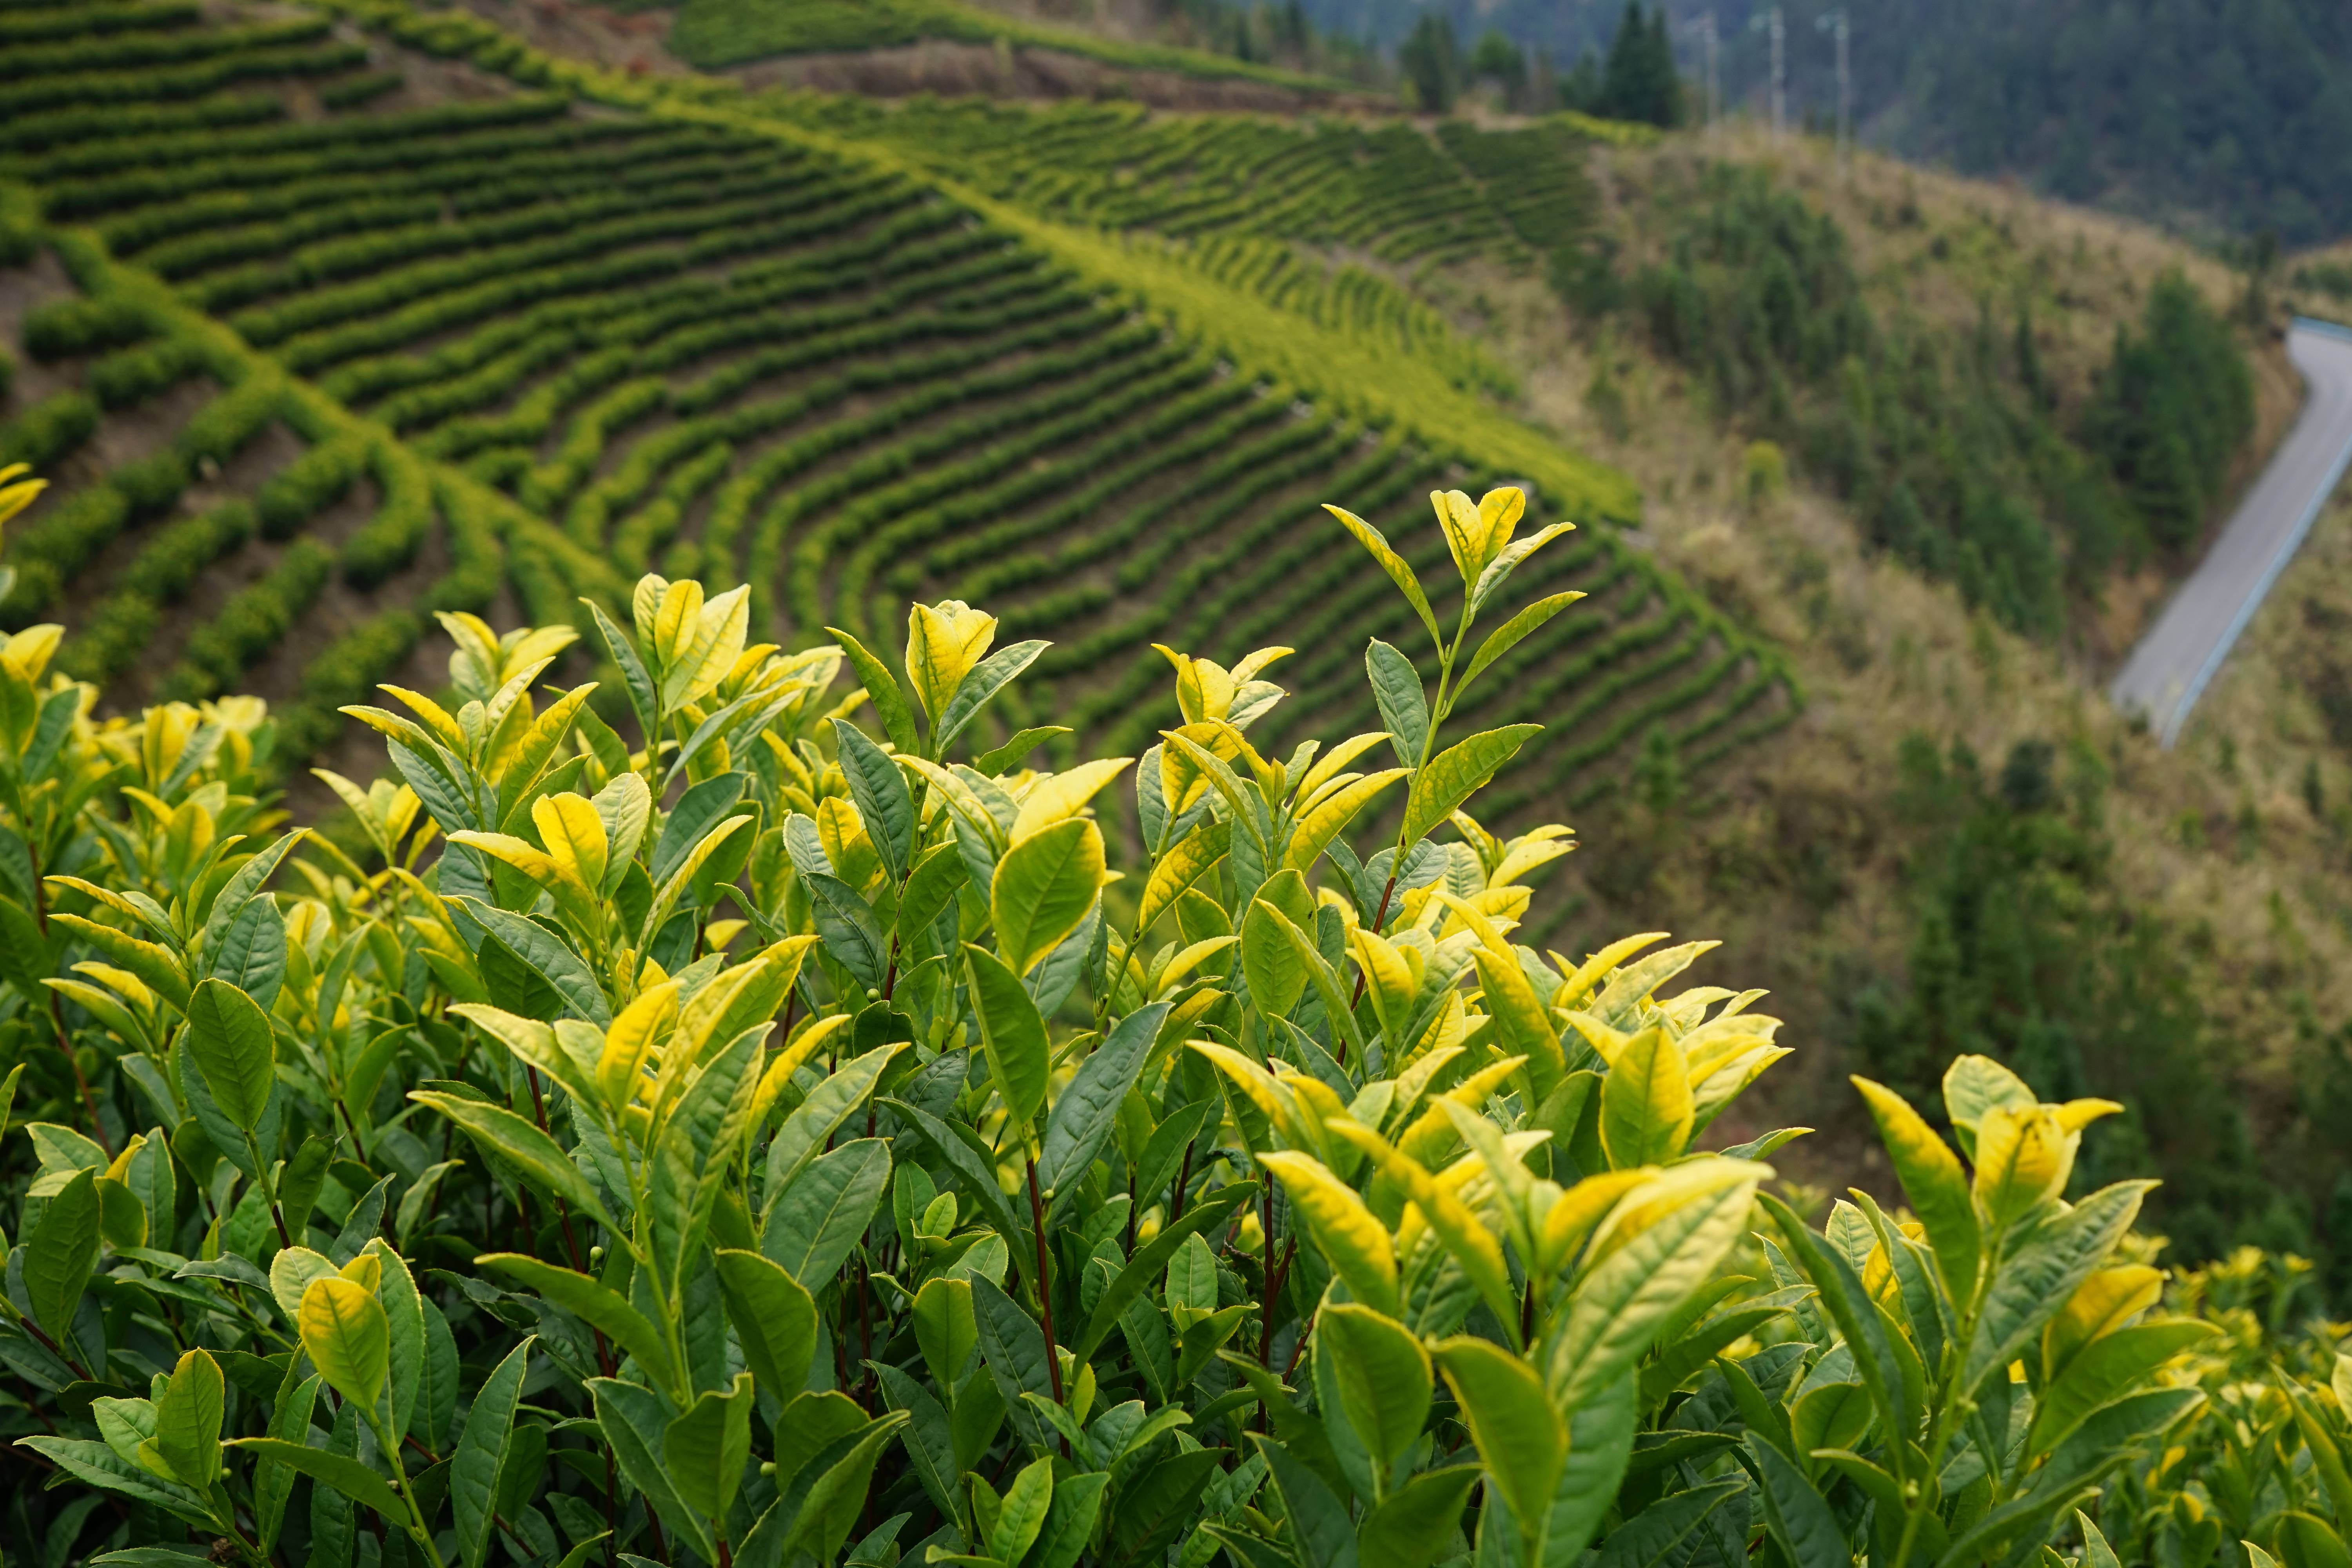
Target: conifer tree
<point>1431,63</point>
<point>1638,82</point>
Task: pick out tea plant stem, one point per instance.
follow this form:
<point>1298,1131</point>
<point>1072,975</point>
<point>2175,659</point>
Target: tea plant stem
<point>1955,1365</point>
<point>1305,1331</point>
<point>57,1019</point>
<point>1045,1286</point>
<point>54,1348</point>
<point>563,1209</point>
<point>1265,1265</point>
<point>1183,1180</point>
<point>269,1190</point>
<point>419,1528</point>
<point>1380,918</point>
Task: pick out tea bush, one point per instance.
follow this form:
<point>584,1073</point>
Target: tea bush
<point>761,1139</point>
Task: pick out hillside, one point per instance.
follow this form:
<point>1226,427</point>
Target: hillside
<point>471,327</point>
<point>469,345</point>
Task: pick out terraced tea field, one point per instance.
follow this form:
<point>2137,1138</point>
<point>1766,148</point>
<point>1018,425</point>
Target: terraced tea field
<point>320,328</point>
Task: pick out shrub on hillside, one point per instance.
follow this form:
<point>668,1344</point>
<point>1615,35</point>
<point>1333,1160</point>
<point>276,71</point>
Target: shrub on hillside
<point>68,329</point>
<point>2172,409</point>
<point>312,482</point>
<point>250,624</point>
<point>50,429</point>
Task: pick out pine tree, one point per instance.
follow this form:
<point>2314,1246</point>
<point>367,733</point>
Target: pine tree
<point>1666,84</point>
<point>1639,81</point>
<point>1431,63</point>
<point>1621,76</point>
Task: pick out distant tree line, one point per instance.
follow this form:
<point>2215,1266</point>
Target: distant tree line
<point>2234,116</point>
<point>1635,81</point>
<point>1282,33</point>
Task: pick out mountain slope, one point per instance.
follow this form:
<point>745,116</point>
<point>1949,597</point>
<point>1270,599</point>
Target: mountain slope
<point>550,343</point>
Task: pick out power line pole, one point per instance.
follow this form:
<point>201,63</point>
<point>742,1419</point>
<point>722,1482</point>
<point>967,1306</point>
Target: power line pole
<point>1704,24</point>
<point>1776,28</point>
<point>1837,24</point>
<point>1779,75</point>
<point>1714,76</point>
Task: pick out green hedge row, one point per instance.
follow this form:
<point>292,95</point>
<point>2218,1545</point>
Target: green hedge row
<point>361,255</point>
<point>615,296</point>
<point>31,95</point>
<point>391,539</point>
<point>921,473</point>
<point>143,371</point>
<point>587,517</point>
<point>222,429</point>
<point>122,628</point>
<point>254,621</point>
<point>545,487</point>
<point>68,329</point>
<point>71,127</point>
<point>1060,348</point>
<point>477,554</point>
<point>343,672</point>
<point>202,247</point>
<point>361,90</point>
<point>92,19</point>
<point>621,226</point>
<point>168,566</point>
<point>56,424</point>
<point>127,51</point>
<point>66,538</point>
<point>312,482</point>
<point>1197,429</point>
<point>45,553</point>
<point>645,530</point>
<point>189,208</point>
<point>102,177</point>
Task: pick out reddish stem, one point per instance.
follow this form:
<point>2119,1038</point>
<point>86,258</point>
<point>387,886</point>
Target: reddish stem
<point>1380,918</point>
<point>1183,1180</point>
<point>58,1022</point>
<point>1044,1287</point>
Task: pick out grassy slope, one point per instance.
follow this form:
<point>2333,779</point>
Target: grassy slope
<point>1796,854</point>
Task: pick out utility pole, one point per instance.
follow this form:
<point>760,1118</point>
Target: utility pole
<point>1703,24</point>
<point>1837,24</point>
<point>1779,75</point>
<point>1714,76</point>
<point>1776,28</point>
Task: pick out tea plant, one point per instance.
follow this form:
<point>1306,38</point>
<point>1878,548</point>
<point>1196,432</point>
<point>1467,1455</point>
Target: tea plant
<point>769,1141</point>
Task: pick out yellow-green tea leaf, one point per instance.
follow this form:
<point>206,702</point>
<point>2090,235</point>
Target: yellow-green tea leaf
<point>1355,1244</point>
<point>1456,773</point>
<point>348,1338</point>
<point>1645,1102</point>
<point>1045,885</point>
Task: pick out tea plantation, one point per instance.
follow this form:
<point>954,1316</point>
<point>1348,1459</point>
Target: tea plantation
<point>326,324</point>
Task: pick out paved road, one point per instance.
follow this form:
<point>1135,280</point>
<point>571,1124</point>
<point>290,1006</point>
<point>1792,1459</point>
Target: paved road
<point>2169,671</point>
